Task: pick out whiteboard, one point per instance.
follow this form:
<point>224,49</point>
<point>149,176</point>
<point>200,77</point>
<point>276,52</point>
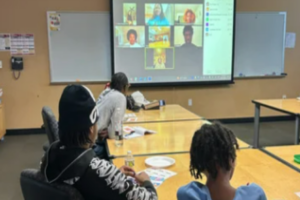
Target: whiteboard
<point>259,44</point>
<point>81,49</point>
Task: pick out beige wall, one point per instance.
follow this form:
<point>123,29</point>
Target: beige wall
<point>24,98</point>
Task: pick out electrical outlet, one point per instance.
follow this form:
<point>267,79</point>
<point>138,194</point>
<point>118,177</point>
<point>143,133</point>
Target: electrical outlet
<point>284,96</point>
<point>190,102</point>
<point>0,64</point>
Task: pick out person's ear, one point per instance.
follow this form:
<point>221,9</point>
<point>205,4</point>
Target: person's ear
<point>232,163</point>
<point>93,133</point>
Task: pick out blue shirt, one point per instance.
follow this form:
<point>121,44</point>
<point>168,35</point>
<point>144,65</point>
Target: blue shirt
<point>198,191</point>
<point>159,22</point>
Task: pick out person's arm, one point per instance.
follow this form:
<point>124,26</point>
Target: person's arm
<point>116,185</point>
<point>118,112</point>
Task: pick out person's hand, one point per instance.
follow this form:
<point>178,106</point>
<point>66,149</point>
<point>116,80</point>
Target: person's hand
<point>103,134</point>
<point>142,177</point>
<point>128,171</point>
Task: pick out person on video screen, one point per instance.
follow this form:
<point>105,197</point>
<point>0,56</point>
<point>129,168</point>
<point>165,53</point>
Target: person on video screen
<point>160,64</point>
<point>158,17</point>
<point>189,16</point>
<point>188,33</point>
<point>129,18</point>
<point>132,37</point>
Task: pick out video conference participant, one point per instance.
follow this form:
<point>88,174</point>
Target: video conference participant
<point>189,16</point>
<point>129,18</point>
<point>189,55</point>
<point>188,33</point>
<point>132,37</point>
<point>160,64</point>
<point>158,17</point>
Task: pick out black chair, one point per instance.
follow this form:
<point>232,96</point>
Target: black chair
<point>50,125</point>
<point>34,187</point>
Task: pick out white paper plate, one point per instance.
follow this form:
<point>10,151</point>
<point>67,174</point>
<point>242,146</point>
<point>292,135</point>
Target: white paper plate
<point>160,161</point>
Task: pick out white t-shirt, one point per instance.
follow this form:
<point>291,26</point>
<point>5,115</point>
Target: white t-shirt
<point>135,45</point>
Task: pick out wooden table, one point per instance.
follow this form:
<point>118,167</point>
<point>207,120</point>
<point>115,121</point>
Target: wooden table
<point>164,114</point>
<point>285,154</point>
<point>288,106</point>
<point>2,122</point>
<point>253,166</point>
<point>171,137</point>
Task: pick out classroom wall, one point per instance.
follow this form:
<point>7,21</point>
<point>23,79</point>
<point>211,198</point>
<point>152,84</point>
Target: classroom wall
<point>25,97</point>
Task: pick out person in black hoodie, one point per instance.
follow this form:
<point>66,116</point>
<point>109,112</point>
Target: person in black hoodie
<point>72,161</point>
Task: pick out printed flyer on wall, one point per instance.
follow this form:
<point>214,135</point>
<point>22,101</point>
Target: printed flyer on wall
<point>54,21</point>
<point>22,44</point>
<point>4,42</point>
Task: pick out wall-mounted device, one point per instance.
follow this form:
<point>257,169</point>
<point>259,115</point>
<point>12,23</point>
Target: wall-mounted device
<point>16,65</point>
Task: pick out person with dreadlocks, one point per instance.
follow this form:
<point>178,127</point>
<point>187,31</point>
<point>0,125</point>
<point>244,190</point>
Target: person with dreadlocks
<point>213,153</point>
<point>111,106</point>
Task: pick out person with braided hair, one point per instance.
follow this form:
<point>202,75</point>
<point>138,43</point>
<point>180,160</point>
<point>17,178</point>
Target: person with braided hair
<point>213,153</point>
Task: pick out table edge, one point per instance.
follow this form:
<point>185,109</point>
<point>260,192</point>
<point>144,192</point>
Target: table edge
<point>264,150</point>
<point>165,121</point>
<point>159,153</point>
<point>274,108</point>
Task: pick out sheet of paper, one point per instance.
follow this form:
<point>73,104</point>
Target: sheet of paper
<point>54,21</point>
<point>128,129</point>
<point>28,44</point>
<point>22,44</point>
<point>135,132</point>
<point>132,119</point>
<point>130,115</point>
<point>142,130</point>
<point>158,176</point>
<point>160,172</point>
<point>290,40</point>
<point>5,42</point>
<point>132,135</point>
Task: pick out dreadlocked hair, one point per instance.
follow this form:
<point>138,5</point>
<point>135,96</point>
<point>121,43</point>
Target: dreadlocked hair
<point>213,146</point>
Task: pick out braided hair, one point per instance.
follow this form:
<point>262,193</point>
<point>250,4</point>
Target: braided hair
<point>213,147</point>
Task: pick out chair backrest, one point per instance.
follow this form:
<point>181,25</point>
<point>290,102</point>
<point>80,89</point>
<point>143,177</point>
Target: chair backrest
<point>50,124</point>
<point>34,187</point>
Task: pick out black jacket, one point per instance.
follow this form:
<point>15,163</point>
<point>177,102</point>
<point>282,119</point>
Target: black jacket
<point>94,178</point>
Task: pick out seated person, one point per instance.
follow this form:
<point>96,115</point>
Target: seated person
<point>111,105</point>
<point>188,54</point>
<point>71,160</point>
<point>158,18</point>
<point>213,153</point>
<point>189,16</point>
<point>188,33</point>
<point>160,64</point>
<point>132,37</point>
